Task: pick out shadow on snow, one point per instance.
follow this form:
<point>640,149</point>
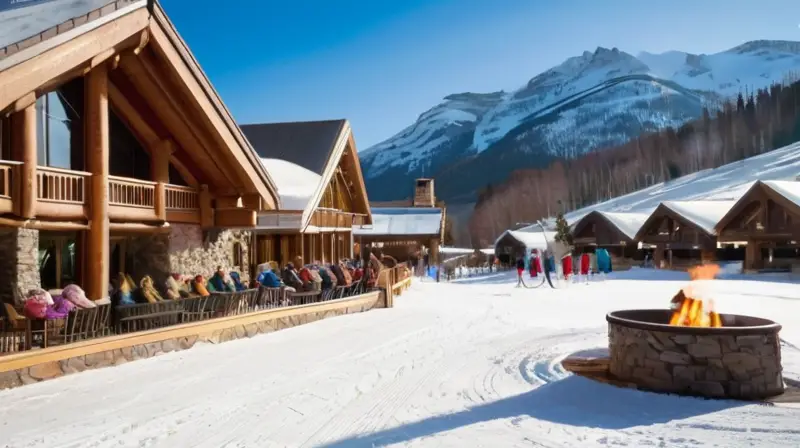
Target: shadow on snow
<point>573,401</point>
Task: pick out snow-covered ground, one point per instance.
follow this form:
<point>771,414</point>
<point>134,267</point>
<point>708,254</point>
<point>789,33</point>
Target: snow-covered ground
<point>464,364</point>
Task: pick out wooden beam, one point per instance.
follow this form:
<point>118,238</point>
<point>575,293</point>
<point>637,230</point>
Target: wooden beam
<point>169,113</point>
<point>97,154</point>
<point>24,143</point>
<point>149,137</point>
<point>144,39</point>
<point>228,202</point>
<point>206,212</point>
<point>23,102</point>
<point>28,76</point>
<point>247,164</point>
<point>144,67</point>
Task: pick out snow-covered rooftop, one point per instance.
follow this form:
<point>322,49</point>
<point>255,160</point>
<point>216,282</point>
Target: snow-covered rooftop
<point>788,189</point>
<point>534,239</point>
<point>296,185</point>
<point>728,182</point>
<point>705,214</point>
<point>397,221</point>
<point>627,223</point>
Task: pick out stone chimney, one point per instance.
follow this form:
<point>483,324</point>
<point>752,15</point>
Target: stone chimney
<point>423,193</point>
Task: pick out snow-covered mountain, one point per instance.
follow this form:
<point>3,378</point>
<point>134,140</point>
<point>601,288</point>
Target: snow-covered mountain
<point>595,100</point>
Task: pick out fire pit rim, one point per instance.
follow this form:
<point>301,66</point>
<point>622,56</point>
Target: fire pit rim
<point>618,318</point>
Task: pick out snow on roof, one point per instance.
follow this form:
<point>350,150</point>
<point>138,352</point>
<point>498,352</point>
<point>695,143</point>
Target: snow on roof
<point>20,23</point>
<point>403,221</point>
<point>531,240</point>
<point>627,223</point>
<point>728,182</point>
<point>296,185</point>
<point>464,250</point>
<point>788,189</point>
<point>705,214</point>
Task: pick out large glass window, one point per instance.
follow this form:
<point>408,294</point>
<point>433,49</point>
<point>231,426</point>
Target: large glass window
<point>60,127</point>
<point>128,157</point>
<point>58,260</point>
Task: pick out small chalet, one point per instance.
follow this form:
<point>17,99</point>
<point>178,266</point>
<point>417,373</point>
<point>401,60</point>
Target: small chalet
<point>683,231</point>
<point>613,231</point>
<point>513,244</point>
<point>318,175</point>
<point>407,229</point>
<point>117,153</point>
<point>767,219</point>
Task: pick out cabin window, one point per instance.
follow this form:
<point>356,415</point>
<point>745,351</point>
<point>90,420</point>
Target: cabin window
<point>58,260</point>
<point>59,127</point>
<point>128,157</point>
<point>238,258</point>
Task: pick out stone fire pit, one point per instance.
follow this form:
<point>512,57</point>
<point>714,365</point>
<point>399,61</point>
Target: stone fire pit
<point>742,359</point>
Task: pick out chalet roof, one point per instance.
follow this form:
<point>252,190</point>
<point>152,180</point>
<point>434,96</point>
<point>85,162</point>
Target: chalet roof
<point>786,188</point>
<point>398,221</point>
<point>308,144</point>
<point>25,24</point>
<point>296,184</point>
<point>56,23</point>
<point>704,214</point>
<point>529,239</point>
<point>627,223</point>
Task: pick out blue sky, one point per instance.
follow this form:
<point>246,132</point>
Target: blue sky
<point>380,63</point>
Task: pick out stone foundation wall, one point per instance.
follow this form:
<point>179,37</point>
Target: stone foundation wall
<point>185,250</point>
<point>19,262</point>
<point>745,366</point>
<point>241,327</point>
<point>191,253</point>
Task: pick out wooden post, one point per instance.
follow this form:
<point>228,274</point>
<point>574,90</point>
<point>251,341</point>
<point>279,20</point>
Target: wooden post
<point>97,143</point>
<point>206,214</point>
<point>159,172</point>
<point>24,136</point>
<point>752,255</point>
<point>285,257</point>
<point>658,255</point>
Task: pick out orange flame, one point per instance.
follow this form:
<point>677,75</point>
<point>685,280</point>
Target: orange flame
<point>691,311</point>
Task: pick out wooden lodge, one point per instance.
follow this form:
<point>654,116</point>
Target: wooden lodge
<point>319,180</point>
<point>117,153</point>
<point>682,232</point>
<point>407,230</point>
<point>613,231</point>
<point>766,219</point>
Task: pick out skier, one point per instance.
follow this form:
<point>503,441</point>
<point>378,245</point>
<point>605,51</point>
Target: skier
<point>535,265</point>
<point>520,270</point>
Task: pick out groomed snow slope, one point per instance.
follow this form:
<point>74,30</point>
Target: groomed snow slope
<point>728,182</point>
<point>461,365</point>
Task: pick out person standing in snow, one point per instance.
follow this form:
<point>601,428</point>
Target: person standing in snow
<point>520,270</point>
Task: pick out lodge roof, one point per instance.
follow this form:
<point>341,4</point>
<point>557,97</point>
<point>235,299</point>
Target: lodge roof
<point>29,32</point>
<point>309,144</point>
<point>399,221</point>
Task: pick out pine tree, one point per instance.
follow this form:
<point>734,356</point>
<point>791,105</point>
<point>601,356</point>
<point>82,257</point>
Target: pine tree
<point>563,233</point>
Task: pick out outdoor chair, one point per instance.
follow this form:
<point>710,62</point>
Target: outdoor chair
<point>147,316</point>
<point>102,321</point>
<point>80,324</point>
<point>304,298</point>
<point>195,309</point>
<point>270,297</point>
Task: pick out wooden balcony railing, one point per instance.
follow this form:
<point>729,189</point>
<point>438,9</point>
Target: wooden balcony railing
<point>132,199</point>
<point>328,218</point>
<point>7,186</point>
<point>182,198</point>
<point>182,204</point>
<point>61,193</point>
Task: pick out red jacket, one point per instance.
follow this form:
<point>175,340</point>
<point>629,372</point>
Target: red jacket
<point>585,264</point>
<point>566,265</point>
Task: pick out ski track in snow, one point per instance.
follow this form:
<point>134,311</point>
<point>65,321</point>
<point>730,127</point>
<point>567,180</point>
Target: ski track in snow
<point>460,364</point>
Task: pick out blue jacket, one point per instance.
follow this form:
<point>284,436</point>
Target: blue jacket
<point>269,279</point>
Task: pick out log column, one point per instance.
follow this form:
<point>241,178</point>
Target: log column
<point>97,150</point>
<point>159,172</point>
<point>206,213</point>
<point>24,144</point>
